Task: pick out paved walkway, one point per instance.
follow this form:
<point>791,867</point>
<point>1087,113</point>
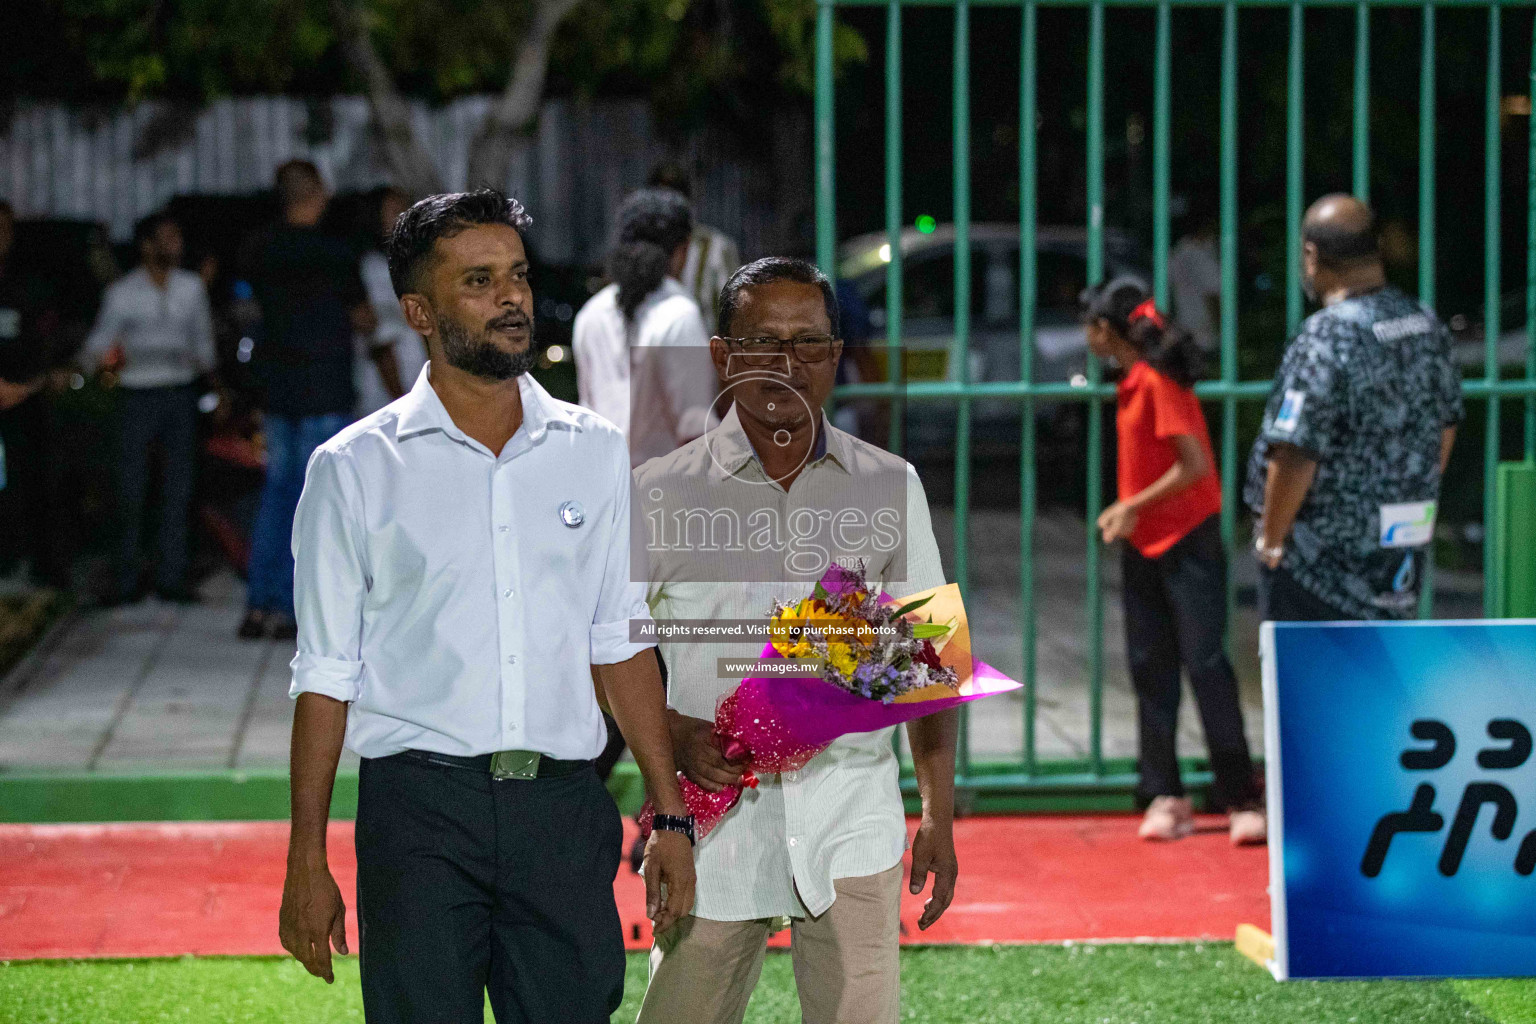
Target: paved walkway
<point>157,686</point>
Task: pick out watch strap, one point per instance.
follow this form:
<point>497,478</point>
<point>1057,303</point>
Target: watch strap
<point>674,823</point>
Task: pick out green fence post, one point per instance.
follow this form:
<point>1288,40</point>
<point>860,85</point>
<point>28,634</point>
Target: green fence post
<point>894,369</point>
<point>1362,186</point>
<point>960,347</point>
<point>1229,293</point>
<point>826,155</point>
<point>1295,120</point>
<point>1161,103</point>
<point>1095,375</point>
<point>1491,206</point>
<point>1427,233</point>
<point>1530,267</point>
<point>1027,218</point>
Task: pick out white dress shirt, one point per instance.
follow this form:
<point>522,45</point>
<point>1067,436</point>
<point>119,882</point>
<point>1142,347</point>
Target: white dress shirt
<point>392,333</point>
<point>651,376</point>
<point>166,333</point>
<point>777,852</point>
<point>442,594</point>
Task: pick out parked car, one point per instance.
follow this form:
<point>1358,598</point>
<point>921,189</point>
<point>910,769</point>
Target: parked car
<point>928,318</point>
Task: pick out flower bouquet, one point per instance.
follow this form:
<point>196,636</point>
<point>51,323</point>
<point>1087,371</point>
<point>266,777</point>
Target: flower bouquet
<point>871,662</point>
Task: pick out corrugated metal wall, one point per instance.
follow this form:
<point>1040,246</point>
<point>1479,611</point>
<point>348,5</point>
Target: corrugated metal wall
<point>114,167</point>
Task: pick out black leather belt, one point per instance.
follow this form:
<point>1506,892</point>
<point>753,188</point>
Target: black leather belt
<point>543,766</point>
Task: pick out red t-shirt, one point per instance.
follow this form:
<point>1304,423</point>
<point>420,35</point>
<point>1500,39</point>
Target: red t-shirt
<point>1153,410</point>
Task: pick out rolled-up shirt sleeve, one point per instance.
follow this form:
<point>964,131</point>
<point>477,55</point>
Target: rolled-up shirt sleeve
<point>621,598</point>
<point>330,580</point>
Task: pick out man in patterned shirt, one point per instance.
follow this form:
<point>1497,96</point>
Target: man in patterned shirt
<point>1345,474</point>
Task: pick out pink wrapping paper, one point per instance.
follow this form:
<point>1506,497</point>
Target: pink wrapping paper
<point>779,723</point>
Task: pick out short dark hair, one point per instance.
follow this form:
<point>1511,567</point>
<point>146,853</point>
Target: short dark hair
<point>443,216</point>
<point>145,229</point>
<point>1338,246</point>
<point>768,270</point>
<point>1166,346</point>
<point>297,180</point>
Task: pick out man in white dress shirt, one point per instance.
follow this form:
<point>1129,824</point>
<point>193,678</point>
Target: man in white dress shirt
<point>642,353</point>
<point>156,332</point>
<point>462,578</point>
<point>820,848</point>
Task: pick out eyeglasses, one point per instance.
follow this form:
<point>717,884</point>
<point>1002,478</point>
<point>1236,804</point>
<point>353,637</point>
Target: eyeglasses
<point>809,348</point>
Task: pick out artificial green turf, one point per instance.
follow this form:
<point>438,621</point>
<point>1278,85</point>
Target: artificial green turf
<point>1144,984</point>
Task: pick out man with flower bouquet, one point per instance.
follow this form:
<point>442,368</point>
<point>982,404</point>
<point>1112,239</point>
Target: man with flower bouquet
<point>735,523</point>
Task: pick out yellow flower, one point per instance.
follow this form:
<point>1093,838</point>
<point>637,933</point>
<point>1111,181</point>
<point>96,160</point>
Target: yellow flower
<point>787,631</point>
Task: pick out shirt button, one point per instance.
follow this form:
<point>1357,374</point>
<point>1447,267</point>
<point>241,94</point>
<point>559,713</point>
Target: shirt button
<point>507,592</point>
<point>501,529</point>
<point>511,659</point>
<point>793,841</point>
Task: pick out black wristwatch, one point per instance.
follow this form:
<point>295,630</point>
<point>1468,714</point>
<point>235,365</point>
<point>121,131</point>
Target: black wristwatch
<point>674,823</point>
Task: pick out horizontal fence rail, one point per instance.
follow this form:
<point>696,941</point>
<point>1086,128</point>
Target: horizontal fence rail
<point>1030,774</point>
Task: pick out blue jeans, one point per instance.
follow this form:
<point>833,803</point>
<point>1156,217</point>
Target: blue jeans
<point>290,443</point>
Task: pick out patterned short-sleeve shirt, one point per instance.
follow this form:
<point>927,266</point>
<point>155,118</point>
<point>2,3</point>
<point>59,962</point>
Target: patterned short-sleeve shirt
<point>1366,389</point>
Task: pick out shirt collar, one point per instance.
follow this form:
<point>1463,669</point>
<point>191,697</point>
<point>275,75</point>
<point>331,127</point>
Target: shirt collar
<point>421,411</point>
<point>732,450</point>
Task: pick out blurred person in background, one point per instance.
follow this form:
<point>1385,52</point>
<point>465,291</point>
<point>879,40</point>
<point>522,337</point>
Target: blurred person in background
<point>383,376</point>
<point>1345,475</point>
<point>642,352</point>
<point>155,332</point>
<point>641,346</point>
<point>1194,276</point>
<point>312,301</point>
<point>29,321</point>
<point>1174,565</point>
<point>713,256</point>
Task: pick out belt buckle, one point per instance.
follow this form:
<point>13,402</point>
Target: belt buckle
<point>515,764</point>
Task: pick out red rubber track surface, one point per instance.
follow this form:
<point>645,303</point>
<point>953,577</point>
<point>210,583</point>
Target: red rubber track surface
<point>167,889</point>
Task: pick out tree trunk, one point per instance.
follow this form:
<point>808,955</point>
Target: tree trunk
<point>412,167</point>
<point>505,128</point>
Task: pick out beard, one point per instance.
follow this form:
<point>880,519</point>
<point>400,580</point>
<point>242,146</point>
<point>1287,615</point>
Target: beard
<point>476,354</point>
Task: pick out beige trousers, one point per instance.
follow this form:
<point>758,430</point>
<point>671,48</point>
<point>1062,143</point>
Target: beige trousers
<point>847,966</point>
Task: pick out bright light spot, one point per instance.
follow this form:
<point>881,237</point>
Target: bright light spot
<point>926,225</point>
<point>76,382</point>
<point>1079,381</point>
<point>243,353</point>
<point>885,253</point>
<point>208,403</point>
<point>555,353</point>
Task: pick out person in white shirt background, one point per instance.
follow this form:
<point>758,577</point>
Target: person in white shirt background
<point>462,581</point>
<point>1194,274</point>
<point>155,330</point>
<point>381,377</point>
<point>818,850</point>
<point>713,256</point>
<point>642,351</point>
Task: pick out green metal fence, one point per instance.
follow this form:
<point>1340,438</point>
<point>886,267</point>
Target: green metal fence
<point>1030,773</point>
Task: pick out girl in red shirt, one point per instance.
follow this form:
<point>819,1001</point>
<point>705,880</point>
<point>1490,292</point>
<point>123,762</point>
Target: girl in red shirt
<point>1174,563</point>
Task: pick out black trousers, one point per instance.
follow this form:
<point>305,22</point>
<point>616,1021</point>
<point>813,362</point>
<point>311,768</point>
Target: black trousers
<point>148,418</point>
<point>468,885</point>
<point>27,501</point>
<point>1175,613</point>
<point>1282,599</point>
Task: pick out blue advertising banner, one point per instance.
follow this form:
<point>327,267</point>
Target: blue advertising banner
<point>1402,798</point>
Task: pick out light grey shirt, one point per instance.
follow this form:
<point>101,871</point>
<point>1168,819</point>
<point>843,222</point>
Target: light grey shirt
<point>778,851</point>
<point>166,334</point>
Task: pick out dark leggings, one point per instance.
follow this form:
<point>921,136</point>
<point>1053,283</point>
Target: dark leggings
<point>1175,614</point>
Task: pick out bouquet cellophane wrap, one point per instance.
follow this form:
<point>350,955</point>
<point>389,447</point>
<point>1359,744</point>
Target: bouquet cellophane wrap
<point>779,723</point>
